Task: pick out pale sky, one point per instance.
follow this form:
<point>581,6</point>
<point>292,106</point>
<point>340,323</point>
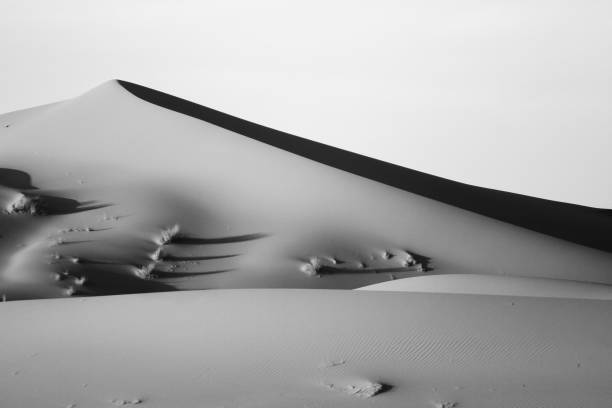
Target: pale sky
<point>513,94</point>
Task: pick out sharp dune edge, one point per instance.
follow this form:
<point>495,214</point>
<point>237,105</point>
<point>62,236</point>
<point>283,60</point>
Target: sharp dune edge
<point>469,297</point>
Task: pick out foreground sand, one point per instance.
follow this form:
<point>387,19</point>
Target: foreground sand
<point>306,348</point>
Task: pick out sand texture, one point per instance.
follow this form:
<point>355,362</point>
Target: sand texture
<point>312,348</point>
<point>234,246</point>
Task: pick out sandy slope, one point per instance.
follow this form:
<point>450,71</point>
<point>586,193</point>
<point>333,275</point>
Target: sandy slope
<point>305,348</point>
<point>584,225</point>
<point>496,285</point>
<point>113,172</point>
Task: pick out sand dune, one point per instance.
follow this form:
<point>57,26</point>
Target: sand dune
<point>313,348</point>
<point>584,225</point>
<point>108,172</point>
<point>469,297</point>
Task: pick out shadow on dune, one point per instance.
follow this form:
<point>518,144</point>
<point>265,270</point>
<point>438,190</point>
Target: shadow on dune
<point>91,261</point>
<point>99,229</point>
<point>45,204</point>
<point>579,224</point>
<point>167,275</point>
<point>16,179</point>
<point>171,258</point>
<point>111,283</point>
<point>188,240</point>
<point>334,270</point>
<point>52,205</point>
<point>83,241</point>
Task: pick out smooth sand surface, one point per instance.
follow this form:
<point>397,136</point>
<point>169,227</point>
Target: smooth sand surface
<point>496,285</point>
<point>306,348</point>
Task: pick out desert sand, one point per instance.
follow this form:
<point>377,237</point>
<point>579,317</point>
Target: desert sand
<point>496,285</point>
<point>468,296</point>
<point>306,348</point>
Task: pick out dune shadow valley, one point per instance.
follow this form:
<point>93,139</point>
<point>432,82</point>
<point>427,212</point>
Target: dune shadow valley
<point>159,253</point>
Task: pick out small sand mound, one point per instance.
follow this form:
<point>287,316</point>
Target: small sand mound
<point>445,404</point>
<point>312,267</point>
<point>363,390</point>
<point>166,235</point>
<point>22,204</point>
<point>122,402</point>
<point>144,271</point>
<point>367,390</point>
<point>156,254</point>
<point>79,281</point>
<point>315,263</point>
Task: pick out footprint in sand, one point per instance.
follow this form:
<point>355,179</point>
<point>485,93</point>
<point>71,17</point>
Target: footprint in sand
<point>364,390</point>
<point>122,402</point>
<point>445,404</point>
<point>332,363</point>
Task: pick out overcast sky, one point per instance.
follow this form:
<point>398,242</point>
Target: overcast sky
<point>511,94</point>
